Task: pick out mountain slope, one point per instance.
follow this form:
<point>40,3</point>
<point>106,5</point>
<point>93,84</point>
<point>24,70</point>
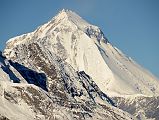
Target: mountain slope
<point>68,97</point>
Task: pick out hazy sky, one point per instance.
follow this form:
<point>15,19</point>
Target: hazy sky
<point>130,25</point>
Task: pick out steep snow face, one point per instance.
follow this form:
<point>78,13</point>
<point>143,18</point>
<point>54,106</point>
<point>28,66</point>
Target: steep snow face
<point>85,48</point>
<point>130,78</point>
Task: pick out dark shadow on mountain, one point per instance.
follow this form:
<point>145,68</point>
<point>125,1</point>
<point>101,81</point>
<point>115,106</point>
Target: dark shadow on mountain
<point>31,76</point>
<point>6,68</point>
<point>10,73</point>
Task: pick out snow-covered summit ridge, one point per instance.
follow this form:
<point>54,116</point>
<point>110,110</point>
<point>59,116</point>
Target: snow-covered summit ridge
<point>78,22</point>
<point>65,18</point>
<point>71,16</point>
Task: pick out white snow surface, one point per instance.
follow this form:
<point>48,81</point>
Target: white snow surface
<point>85,48</point>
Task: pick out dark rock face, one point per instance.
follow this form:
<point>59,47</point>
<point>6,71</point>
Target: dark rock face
<point>140,107</point>
<point>96,34</point>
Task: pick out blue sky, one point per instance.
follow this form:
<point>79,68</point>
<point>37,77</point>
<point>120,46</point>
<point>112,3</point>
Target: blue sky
<point>131,25</point>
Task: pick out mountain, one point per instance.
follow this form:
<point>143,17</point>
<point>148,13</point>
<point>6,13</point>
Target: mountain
<point>74,64</point>
<point>85,48</point>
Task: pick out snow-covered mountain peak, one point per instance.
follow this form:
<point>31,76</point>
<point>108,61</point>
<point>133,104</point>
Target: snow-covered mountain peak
<point>70,16</point>
<point>72,19</point>
<point>85,48</point>
<point>62,14</point>
<point>78,69</point>
<point>64,21</point>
